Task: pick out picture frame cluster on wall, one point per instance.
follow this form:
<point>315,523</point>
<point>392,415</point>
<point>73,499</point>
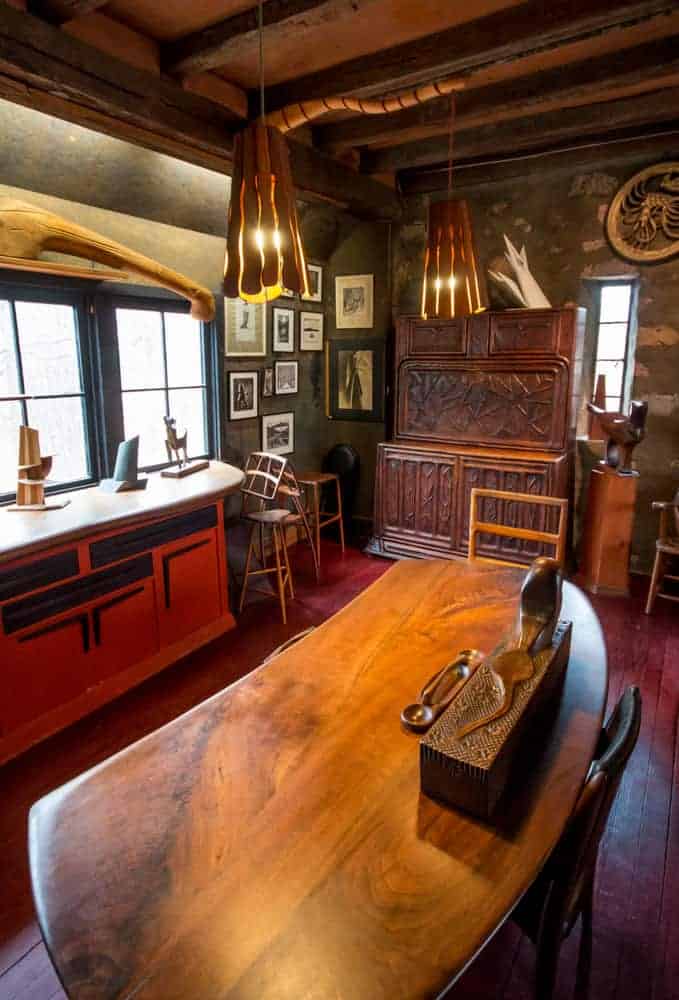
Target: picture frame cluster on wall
<point>246,326</point>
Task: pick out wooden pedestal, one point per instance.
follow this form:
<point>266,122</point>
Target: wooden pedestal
<point>604,562</point>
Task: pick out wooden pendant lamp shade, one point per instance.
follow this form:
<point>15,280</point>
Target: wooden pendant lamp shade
<point>264,252</point>
<point>453,284</point>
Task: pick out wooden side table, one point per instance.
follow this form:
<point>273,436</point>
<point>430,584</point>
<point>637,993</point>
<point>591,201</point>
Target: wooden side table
<point>321,519</point>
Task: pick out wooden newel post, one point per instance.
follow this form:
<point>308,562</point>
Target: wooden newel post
<point>604,563</point>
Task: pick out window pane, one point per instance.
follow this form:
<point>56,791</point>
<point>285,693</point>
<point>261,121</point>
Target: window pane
<point>613,372</point>
<point>10,420</point>
<point>183,338</point>
<point>612,341</point>
<point>612,403</point>
<point>615,303</point>
<point>187,406</point>
<point>61,426</point>
<point>9,373</point>
<point>143,414</point>
<point>140,346</point>
<point>48,341</point>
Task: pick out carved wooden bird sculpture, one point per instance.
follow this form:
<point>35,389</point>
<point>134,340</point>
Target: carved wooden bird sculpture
<point>539,609</point>
<point>624,433</point>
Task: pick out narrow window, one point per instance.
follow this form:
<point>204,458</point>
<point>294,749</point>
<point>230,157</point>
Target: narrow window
<point>614,349</point>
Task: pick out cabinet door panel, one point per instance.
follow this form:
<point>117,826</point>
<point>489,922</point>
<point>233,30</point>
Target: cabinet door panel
<point>418,495</point>
<point>124,630</point>
<point>44,668</point>
<point>189,585</point>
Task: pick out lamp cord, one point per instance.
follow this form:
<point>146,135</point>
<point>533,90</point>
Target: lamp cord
<point>260,27</point>
<point>451,129</point>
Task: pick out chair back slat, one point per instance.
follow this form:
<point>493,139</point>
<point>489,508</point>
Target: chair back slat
<point>477,526</point>
<point>263,474</point>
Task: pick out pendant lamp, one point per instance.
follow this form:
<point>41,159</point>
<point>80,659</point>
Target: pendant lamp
<point>264,252</point>
<point>453,284</point>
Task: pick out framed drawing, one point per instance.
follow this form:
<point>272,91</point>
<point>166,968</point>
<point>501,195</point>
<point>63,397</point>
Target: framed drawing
<point>355,379</point>
<point>315,272</point>
<point>286,377</point>
<point>242,395</point>
<point>245,329</point>
<point>267,382</point>
<point>354,302</point>
<point>278,433</point>
<point>283,329</point>
<point>310,331</point>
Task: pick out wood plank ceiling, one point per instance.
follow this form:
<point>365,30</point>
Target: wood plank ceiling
<point>536,76</point>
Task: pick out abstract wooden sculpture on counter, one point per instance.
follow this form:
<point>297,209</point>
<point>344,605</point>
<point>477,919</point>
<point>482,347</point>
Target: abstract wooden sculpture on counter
<point>175,445</point>
<point>26,231</point>
<point>466,756</point>
<point>624,433</point>
<point>33,470</point>
<point>126,472</point>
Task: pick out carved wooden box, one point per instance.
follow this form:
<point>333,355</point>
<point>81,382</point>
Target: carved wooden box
<point>472,773</point>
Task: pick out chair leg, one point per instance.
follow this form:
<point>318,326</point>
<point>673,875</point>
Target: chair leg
<point>547,946</point>
<point>585,954</point>
<point>279,573</point>
<point>247,568</point>
<point>317,519</point>
<point>299,507</point>
<point>656,579</point>
<point>286,558</point>
<point>339,511</point>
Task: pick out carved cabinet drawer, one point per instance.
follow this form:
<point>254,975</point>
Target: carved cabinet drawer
<point>417,497</point>
<point>524,332</point>
<point>438,338</point>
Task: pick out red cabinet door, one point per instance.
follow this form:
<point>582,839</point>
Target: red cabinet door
<point>189,587</point>
<point>124,630</point>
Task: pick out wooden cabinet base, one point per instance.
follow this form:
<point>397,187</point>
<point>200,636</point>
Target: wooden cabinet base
<point>604,562</point>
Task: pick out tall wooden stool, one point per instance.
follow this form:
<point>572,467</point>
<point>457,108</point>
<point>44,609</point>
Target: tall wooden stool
<point>666,548</point>
<point>315,481</point>
<point>268,478</point>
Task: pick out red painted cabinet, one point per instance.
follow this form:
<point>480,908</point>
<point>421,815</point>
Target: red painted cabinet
<point>190,585</point>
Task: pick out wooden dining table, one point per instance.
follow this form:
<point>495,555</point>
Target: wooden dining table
<point>273,842</point>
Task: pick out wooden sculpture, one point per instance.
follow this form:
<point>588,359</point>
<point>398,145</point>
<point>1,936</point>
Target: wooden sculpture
<point>175,445</point>
<point>539,610</point>
<point>596,431</point>
<point>26,231</point>
<point>33,470</point>
<point>126,472</point>
<point>624,432</point>
<point>642,223</point>
<point>524,290</point>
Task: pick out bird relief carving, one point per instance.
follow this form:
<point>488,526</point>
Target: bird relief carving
<point>523,288</point>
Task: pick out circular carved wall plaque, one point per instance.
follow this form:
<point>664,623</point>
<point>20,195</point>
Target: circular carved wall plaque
<point>642,223</point>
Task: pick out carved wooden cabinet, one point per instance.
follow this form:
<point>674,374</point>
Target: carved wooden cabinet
<point>487,400</point>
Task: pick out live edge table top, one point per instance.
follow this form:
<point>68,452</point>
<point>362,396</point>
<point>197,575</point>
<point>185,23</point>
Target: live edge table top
<point>273,844</point>
<point>24,533</point>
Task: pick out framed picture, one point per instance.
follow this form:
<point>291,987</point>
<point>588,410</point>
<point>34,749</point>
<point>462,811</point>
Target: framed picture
<point>315,272</point>
<point>354,302</point>
<point>245,329</point>
<point>310,331</point>
<point>286,377</point>
<point>242,395</point>
<point>278,433</point>
<point>287,294</point>
<point>267,382</point>
<point>355,378</point>
<point>283,329</point>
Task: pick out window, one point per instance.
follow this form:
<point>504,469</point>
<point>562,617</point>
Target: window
<point>617,302</point>
<point>162,373</point>
<point>42,355</point>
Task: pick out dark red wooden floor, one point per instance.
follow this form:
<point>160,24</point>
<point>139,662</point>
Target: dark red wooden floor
<point>636,945</point>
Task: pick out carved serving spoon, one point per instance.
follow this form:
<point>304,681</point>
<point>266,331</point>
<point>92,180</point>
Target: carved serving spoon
<point>440,690</point>
<point>539,608</point>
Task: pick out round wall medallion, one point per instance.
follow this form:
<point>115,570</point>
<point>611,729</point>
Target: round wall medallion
<point>642,223</point>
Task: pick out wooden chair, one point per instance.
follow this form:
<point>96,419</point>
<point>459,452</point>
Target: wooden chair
<point>666,547</point>
<point>478,527</point>
<point>268,478</point>
<point>320,518</point>
<point>564,890</point>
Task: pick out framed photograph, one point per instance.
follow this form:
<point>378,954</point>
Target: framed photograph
<point>283,329</point>
<point>245,329</point>
<point>355,379</point>
<point>287,294</point>
<point>287,377</point>
<point>278,433</point>
<point>242,395</point>
<point>354,302</point>
<point>310,331</point>
<point>315,272</point>
<point>267,382</point>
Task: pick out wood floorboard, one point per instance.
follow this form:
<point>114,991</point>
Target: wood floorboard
<point>636,918</point>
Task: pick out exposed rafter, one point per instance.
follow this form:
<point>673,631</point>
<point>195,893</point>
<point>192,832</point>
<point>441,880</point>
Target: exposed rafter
<point>643,68</point>
<point>514,33</point>
<point>213,46</point>
<point>537,132</point>
<point>59,11</point>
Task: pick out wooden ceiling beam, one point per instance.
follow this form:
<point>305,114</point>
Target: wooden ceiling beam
<point>60,11</point>
<point>214,45</point>
<point>533,133</point>
<point>642,68</point>
<point>505,36</point>
<point>44,68</point>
